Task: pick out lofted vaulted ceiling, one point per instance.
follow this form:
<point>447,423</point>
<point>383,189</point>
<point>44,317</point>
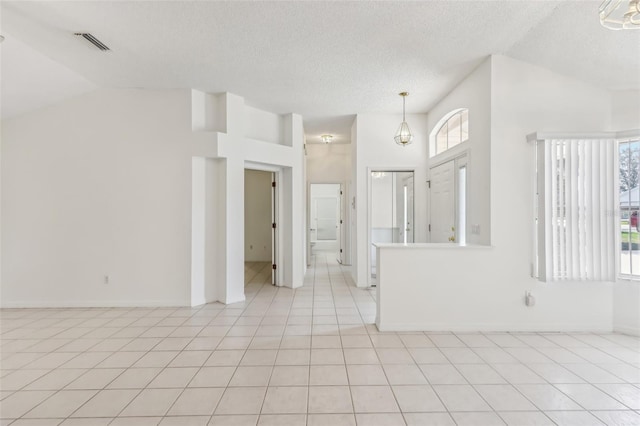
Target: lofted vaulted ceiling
<point>326,60</point>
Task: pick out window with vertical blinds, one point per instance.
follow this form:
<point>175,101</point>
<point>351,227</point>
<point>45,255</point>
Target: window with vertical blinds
<point>576,202</point>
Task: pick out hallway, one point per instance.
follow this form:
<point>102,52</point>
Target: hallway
<point>257,273</point>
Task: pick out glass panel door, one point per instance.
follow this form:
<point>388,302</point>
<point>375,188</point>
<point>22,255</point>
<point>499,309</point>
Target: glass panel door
<point>391,210</point>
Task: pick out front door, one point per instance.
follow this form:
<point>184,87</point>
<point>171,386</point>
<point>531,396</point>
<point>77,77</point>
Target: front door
<point>443,203</point>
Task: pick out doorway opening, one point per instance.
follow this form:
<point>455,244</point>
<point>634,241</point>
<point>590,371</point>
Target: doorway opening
<point>259,228</point>
<point>448,201</point>
<point>392,211</point>
<point>326,219</point>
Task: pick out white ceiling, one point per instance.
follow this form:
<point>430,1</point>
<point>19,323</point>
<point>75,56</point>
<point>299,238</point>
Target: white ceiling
<point>31,80</point>
<point>324,60</point>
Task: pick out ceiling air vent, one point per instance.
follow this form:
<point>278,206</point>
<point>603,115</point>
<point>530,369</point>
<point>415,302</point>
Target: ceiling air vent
<point>91,39</point>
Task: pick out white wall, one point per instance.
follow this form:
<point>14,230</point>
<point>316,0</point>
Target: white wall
<point>526,99</point>
<point>328,163</point>
<point>208,112</point>
<point>198,229</point>
<point>491,284</point>
<point>626,307</point>
<point>331,163</point>
<point>375,149</point>
<point>257,216</point>
<point>263,125</point>
<point>98,185</point>
<point>474,295</point>
<point>130,184</point>
<point>473,93</point>
<point>236,152</point>
<point>626,110</point>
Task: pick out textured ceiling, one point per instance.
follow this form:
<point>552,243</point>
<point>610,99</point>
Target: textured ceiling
<point>324,60</point>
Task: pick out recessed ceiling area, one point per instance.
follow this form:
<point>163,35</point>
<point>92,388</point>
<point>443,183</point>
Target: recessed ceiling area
<point>324,60</point>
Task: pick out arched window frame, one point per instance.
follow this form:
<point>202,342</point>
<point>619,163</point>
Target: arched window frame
<point>436,146</point>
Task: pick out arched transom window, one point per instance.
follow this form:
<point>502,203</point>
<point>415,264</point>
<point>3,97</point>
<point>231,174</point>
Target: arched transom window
<point>453,131</point>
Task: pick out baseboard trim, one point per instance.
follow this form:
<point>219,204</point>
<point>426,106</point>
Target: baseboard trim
<point>633,331</point>
<point>231,301</point>
<point>198,302</point>
<point>95,304</point>
<point>496,328</point>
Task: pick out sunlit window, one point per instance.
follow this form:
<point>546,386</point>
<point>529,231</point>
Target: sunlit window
<point>629,183</point>
<point>454,131</point>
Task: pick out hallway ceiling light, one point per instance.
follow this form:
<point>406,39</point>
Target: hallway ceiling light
<point>620,14</point>
<point>326,138</point>
<point>403,135</point>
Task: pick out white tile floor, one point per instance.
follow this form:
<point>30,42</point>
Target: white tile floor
<point>304,357</point>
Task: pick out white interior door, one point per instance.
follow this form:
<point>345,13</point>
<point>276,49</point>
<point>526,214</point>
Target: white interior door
<point>443,203</point>
<point>324,217</point>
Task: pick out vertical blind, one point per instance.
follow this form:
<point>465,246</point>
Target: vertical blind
<point>580,186</point>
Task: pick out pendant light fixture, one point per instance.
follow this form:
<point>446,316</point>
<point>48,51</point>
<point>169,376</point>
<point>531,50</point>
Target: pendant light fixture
<point>403,135</point>
<point>620,14</point>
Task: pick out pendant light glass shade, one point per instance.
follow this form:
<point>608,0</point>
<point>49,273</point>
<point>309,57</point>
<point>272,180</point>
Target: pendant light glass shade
<point>620,14</point>
<point>403,135</point>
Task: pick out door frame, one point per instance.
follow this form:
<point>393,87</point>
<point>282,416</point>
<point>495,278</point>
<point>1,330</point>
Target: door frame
<point>387,169</point>
<point>277,214</point>
<point>409,218</point>
<point>460,162</point>
<point>341,220</point>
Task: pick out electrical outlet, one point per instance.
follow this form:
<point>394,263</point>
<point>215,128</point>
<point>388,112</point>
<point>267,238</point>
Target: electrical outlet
<point>529,299</point>
<point>106,279</point>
